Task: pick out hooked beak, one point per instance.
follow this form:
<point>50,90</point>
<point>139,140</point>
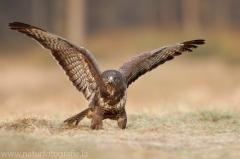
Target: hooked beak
<point>111,80</point>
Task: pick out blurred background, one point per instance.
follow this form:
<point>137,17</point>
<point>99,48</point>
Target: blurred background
<point>208,78</point>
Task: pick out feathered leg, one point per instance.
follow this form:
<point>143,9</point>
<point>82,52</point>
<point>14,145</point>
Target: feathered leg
<point>97,119</point>
<point>122,120</point>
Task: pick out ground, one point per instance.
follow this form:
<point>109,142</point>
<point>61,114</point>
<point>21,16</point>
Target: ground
<point>205,134</point>
<point>187,108</point>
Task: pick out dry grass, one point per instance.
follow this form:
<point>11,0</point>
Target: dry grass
<point>205,134</point>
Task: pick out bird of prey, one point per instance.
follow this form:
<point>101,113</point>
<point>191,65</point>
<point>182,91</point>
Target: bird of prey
<point>106,91</point>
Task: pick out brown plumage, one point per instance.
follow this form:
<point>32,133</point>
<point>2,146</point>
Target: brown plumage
<point>106,91</point>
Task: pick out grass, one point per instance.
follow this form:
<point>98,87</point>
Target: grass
<point>202,134</point>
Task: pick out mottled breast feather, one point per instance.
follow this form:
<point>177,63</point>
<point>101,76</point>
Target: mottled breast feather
<point>79,64</point>
<point>138,65</point>
<point>112,109</point>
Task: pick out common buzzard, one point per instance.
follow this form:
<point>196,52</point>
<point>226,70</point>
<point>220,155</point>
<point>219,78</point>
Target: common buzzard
<point>106,91</point>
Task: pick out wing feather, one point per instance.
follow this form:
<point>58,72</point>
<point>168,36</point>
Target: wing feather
<point>138,65</point>
<point>79,64</point>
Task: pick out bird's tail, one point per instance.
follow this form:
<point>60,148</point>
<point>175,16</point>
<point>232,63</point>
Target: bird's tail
<point>78,117</point>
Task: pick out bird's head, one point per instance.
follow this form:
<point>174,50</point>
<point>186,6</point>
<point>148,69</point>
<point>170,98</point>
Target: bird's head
<point>112,80</point>
<point>112,77</point>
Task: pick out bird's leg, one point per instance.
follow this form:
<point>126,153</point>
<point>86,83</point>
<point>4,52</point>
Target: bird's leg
<point>97,118</point>
<point>122,120</point>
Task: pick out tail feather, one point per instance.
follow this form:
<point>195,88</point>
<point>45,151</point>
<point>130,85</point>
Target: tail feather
<point>78,117</point>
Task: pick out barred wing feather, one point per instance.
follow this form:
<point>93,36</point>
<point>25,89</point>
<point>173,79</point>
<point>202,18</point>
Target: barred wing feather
<point>138,65</point>
<point>79,64</point>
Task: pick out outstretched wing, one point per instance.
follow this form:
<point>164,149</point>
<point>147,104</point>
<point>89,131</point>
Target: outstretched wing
<point>145,62</point>
<point>79,64</point>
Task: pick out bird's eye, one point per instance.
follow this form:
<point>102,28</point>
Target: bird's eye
<point>105,78</point>
<point>116,79</point>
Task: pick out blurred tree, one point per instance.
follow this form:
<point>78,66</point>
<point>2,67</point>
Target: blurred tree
<point>75,20</point>
<point>39,13</point>
<point>58,16</point>
<point>168,13</point>
<point>145,16</point>
<point>207,15</point>
<point>221,14</point>
<point>71,17</point>
<point>190,16</point>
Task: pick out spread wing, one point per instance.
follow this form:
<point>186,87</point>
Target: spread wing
<point>79,64</point>
<point>138,65</point>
